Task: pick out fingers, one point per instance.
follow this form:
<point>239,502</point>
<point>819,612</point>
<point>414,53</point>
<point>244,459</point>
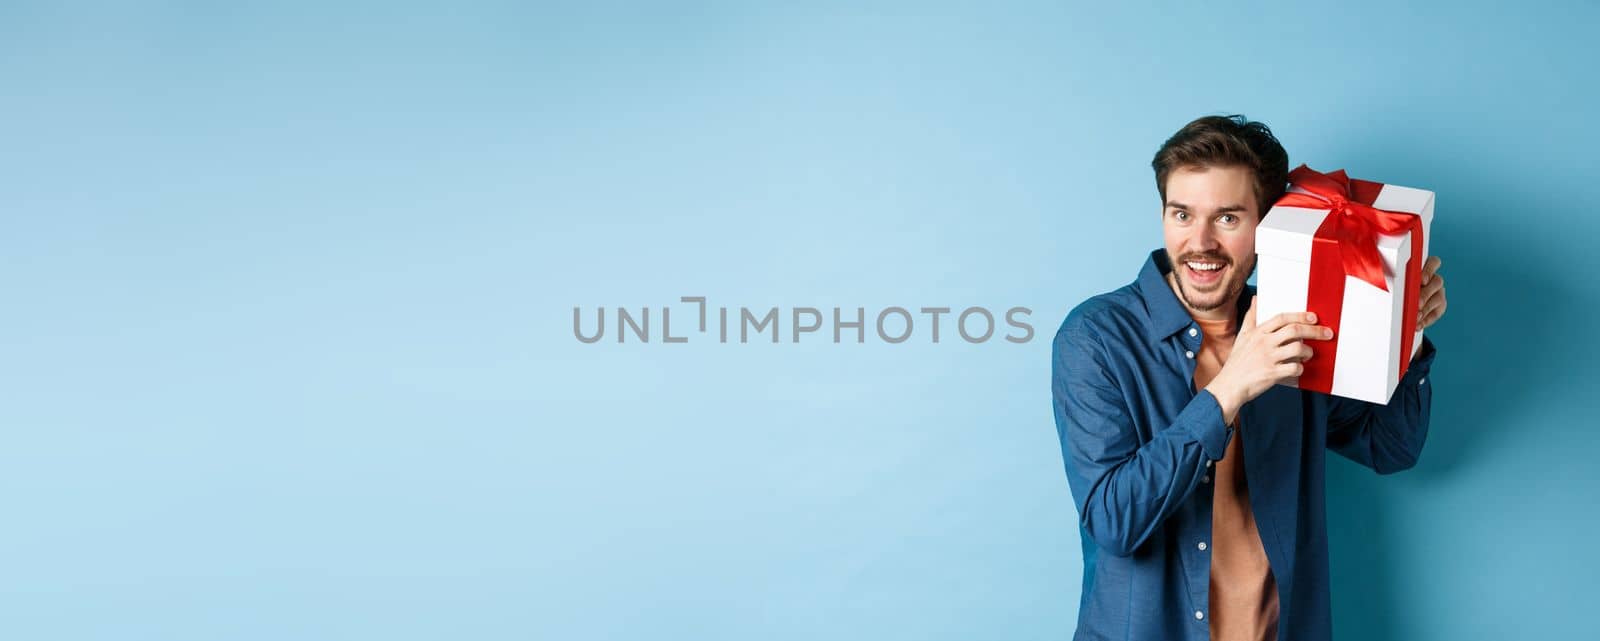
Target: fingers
<point>1288,370</point>
<point>1302,331</point>
<point>1281,320</point>
<point>1431,287</point>
<point>1432,303</point>
<point>1428,299</point>
<point>1430,313</point>
<point>1249,322</point>
<point>1295,352</point>
<point>1430,268</point>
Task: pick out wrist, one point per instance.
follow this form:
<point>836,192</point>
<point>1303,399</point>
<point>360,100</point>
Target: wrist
<point>1227,400</point>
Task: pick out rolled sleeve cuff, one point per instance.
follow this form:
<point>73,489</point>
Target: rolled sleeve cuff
<point>1417,371</point>
<point>1203,415</point>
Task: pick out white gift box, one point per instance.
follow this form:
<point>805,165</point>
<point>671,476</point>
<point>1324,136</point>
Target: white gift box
<point>1368,342</point>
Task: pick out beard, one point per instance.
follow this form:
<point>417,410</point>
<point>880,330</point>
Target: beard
<point>1205,298</point>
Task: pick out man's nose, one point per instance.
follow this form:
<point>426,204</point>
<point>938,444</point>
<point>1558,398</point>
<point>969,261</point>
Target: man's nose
<point>1204,239</point>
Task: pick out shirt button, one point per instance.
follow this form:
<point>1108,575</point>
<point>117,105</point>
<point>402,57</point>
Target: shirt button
<point>1422,381</point>
<point>1188,353</point>
<point>1208,463</point>
<point>1198,615</point>
<point>1205,479</point>
<point>1202,545</point>
<point>1193,331</point>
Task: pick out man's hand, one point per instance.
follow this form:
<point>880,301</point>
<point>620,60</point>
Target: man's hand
<point>1263,356</point>
<point>1430,301</point>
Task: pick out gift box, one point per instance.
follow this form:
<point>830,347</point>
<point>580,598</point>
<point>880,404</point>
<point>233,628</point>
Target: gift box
<point>1352,252</point>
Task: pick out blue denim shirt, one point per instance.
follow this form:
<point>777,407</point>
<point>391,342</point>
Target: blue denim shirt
<point>1138,442</point>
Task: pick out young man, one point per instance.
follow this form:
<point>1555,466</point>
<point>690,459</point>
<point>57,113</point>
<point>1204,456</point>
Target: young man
<point>1198,480</point>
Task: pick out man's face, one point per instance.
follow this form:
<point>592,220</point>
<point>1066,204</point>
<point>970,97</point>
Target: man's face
<point>1209,222</point>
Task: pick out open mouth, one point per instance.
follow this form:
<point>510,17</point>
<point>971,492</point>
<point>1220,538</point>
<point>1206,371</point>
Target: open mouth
<point>1205,272</point>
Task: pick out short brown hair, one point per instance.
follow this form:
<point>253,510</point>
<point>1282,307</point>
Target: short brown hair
<point>1227,141</point>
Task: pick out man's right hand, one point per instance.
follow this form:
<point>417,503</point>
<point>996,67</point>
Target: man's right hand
<point>1264,356</point>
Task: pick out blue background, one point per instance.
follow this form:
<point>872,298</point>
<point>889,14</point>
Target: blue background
<point>287,346</point>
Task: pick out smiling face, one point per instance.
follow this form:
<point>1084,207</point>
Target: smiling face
<point>1209,223</point>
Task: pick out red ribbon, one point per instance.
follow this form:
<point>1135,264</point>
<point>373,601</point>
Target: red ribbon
<point>1346,244</point>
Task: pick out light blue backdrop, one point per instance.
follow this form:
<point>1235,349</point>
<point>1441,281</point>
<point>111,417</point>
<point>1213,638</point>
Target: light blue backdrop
<point>287,347</point>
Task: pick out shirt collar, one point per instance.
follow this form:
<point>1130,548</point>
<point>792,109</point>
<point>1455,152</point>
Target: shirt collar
<point>1168,316</point>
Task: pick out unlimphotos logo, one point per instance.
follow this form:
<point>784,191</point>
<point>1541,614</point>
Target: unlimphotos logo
<point>893,324</point>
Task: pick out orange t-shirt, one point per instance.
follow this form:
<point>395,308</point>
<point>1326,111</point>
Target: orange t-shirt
<point>1244,595</point>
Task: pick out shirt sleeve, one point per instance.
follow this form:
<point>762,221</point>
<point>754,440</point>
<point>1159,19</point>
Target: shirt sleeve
<point>1387,438</point>
<point>1124,488</point>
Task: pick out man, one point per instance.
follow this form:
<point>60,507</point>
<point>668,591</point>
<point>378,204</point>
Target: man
<point>1197,478</point>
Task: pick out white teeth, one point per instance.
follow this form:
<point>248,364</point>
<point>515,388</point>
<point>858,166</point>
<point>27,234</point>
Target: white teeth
<point>1204,267</point>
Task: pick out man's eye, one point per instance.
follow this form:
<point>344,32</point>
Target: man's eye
<point>1229,219</point>
<point>1181,215</point>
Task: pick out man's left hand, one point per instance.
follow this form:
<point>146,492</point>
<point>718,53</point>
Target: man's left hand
<point>1431,302</point>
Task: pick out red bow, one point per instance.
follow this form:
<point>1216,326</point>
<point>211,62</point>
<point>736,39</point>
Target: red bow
<point>1355,225</point>
<point>1346,244</point>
